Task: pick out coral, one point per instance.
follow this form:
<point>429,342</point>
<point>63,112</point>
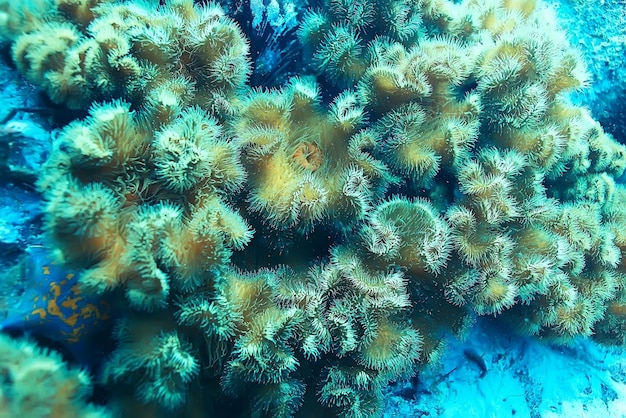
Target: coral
<point>164,370</point>
<point>294,249</point>
<point>37,383</point>
<point>306,165</point>
<point>271,27</point>
<point>103,50</point>
<point>140,208</point>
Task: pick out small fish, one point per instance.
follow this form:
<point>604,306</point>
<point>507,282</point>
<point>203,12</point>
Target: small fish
<point>472,356</point>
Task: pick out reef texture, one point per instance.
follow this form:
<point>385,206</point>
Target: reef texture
<point>36,383</point>
<point>291,251</point>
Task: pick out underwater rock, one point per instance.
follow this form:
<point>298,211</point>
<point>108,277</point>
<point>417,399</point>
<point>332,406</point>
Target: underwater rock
<point>57,312</point>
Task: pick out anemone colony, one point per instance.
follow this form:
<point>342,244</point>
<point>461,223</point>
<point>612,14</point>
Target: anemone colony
<point>300,247</point>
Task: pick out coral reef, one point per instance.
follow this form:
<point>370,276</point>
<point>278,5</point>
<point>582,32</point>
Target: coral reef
<point>601,35</point>
<point>36,383</point>
<point>79,52</point>
<point>300,247</point>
